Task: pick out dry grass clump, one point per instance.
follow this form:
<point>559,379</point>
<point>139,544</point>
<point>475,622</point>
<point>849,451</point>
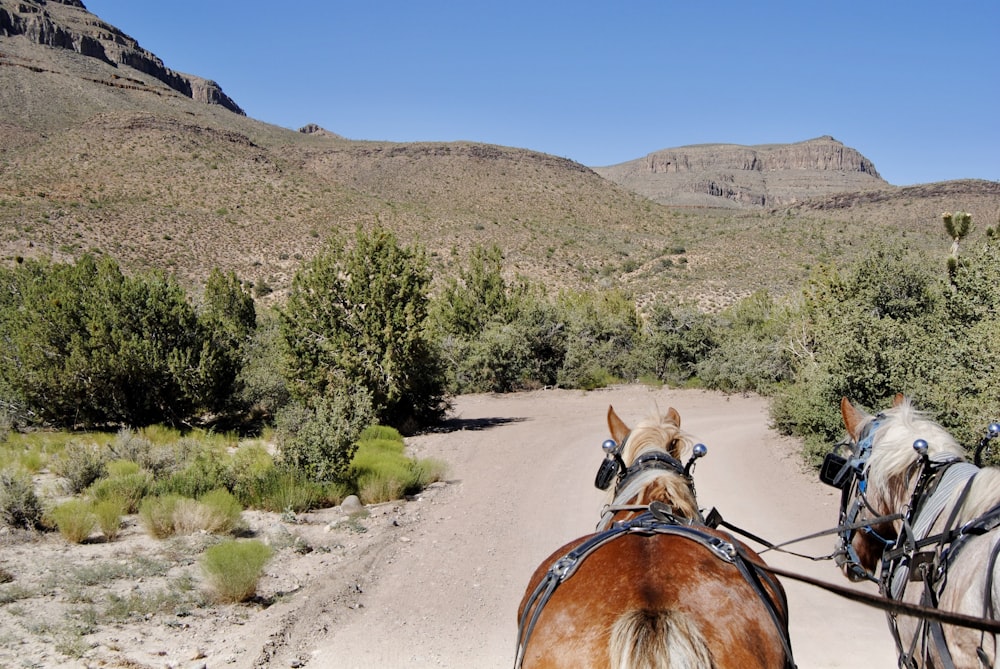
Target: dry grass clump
<point>216,512</point>
<point>234,568</point>
<point>74,519</point>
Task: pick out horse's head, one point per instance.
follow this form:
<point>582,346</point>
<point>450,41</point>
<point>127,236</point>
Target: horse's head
<point>646,464</point>
<point>878,477</point>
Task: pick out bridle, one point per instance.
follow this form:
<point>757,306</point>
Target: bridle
<point>901,556</point>
<point>850,475</point>
<point>614,469</point>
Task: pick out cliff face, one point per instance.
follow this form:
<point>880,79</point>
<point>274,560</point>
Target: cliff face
<point>66,24</point>
<point>757,176</point>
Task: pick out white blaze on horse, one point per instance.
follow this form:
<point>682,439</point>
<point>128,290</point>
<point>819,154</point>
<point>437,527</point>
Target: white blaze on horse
<point>919,519</point>
<point>654,586</point>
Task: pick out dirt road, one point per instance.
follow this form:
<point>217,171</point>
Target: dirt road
<point>444,591</point>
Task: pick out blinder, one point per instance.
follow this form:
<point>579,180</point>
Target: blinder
<point>612,466</point>
<point>848,475</point>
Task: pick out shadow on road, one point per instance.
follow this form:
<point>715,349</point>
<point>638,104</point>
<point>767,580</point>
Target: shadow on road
<point>473,424</point>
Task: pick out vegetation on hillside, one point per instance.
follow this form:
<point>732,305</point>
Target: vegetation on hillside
<point>361,341</point>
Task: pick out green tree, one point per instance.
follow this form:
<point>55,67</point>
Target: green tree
<point>674,341</point>
<point>751,353</point>
<point>83,344</point>
<point>228,319</point>
<point>360,314</point>
<point>496,335</point>
<point>867,333</point>
<point>602,335</point>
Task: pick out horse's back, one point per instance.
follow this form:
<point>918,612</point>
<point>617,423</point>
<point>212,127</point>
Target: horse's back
<point>662,598</point>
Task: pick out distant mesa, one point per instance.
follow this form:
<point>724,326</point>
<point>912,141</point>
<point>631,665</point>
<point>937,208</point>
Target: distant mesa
<point>66,24</point>
<point>313,129</point>
<point>733,175</point>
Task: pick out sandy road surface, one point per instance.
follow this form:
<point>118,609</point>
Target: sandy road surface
<point>445,592</point>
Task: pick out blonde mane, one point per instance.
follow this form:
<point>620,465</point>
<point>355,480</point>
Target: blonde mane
<point>893,459</point>
<point>658,433</point>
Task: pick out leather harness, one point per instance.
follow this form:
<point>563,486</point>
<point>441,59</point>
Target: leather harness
<point>657,520</point>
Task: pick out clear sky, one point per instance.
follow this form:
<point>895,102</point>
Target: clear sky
<point>914,85</point>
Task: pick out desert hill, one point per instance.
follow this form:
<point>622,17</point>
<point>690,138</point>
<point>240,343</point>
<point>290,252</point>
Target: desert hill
<point>105,149</point>
<point>732,175</point>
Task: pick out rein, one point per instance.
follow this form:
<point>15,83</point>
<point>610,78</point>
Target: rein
<point>903,557</point>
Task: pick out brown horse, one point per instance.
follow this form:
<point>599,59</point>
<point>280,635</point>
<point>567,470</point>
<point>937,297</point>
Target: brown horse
<point>917,512</point>
<point>654,587</point>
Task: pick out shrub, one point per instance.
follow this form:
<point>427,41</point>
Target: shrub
<point>427,471</point>
<point>80,464</point>
<point>376,487</point>
<point>157,514</point>
<point>280,489</point>
<point>208,470</point>
<point>359,312</point>
<point>225,509</point>
<point>74,519</point>
<point>216,512</point>
<point>247,466</point>
<point>109,517</point>
<point>157,458</point>
<point>19,505</point>
<point>382,472</point>
<point>126,485</point>
<point>320,440</point>
<point>234,568</point>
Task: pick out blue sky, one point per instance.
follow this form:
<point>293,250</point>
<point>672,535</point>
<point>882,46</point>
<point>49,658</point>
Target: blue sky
<point>914,85</point>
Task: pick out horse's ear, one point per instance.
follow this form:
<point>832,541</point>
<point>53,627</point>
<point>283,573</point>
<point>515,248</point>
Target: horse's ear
<point>619,430</point>
<point>852,417</point>
<point>674,417</point>
<point>898,399</point>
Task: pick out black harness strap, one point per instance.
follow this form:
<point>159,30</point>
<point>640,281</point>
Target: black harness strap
<point>648,524</point>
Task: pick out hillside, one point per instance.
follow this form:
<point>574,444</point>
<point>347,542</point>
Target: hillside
<point>730,175</point>
<point>104,149</point>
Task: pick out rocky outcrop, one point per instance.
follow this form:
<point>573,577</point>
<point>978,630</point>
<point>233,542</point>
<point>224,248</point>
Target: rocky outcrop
<point>66,24</point>
<point>747,176</point>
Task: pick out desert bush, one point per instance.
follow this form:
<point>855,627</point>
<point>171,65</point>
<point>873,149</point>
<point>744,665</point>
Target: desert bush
<point>126,484</point>
<point>673,342</point>
<point>357,314</point>
<point>261,386</point>
<point>381,471</point>
<point>19,505</point>
<point>80,464</point>
<point>109,517</point>
<point>160,459</point>
<point>234,568</point>
<point>320,439</point>
<point>602,335</point>
<point>752,353</point>
<point>495,335</point>
<point>74,519</point>
<point>281,488</point>
<point>380,486</point>
<point>156,513</point>
<point>225,509</point>
<point>427,471</point>
<point>216,512</point>
<point>207,470</point>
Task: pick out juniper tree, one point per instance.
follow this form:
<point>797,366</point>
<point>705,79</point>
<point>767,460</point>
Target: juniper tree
<point>359,315</point>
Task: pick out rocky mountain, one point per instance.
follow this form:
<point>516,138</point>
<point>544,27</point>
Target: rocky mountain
<point>66,24</point>
<point>731,175</point>
<point>104,149</point>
